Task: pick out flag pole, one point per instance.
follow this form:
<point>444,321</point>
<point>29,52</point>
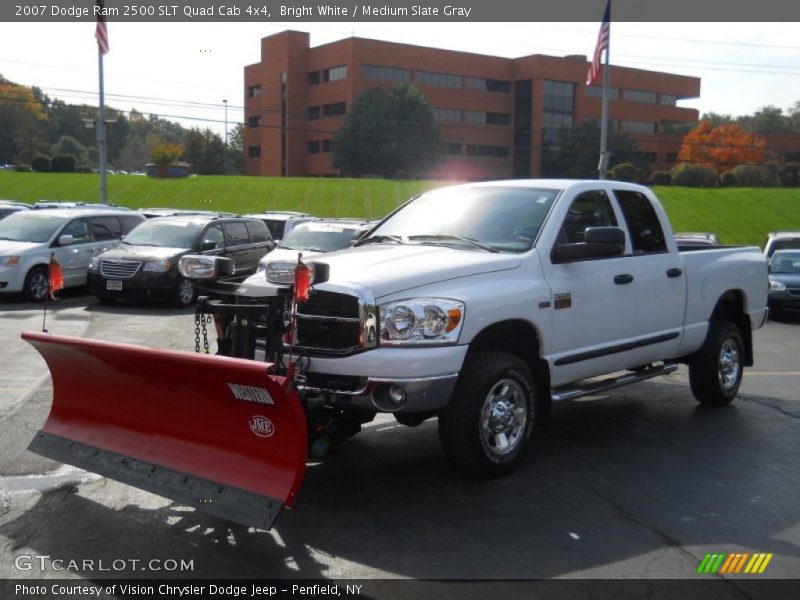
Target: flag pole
<point>605,155</point>
<point>101,132</point>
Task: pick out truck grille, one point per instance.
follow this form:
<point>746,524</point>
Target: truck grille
<point>119,268</point>
<point>329,323</point>
<point>794,291</point>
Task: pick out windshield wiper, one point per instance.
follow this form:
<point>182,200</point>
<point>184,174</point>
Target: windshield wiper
<point>379,239</point>
<point>455,238</point>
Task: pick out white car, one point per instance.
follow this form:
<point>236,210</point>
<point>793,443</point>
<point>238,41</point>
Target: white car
<point>73,236</point>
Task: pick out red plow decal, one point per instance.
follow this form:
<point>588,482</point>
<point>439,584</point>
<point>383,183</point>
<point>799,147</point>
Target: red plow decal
<point>213,432</point>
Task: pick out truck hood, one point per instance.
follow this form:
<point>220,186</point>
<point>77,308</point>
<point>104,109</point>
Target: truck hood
<point>791,280</point>
<point>390,268</point>
<point>142,253</point>
<point>12,248</point>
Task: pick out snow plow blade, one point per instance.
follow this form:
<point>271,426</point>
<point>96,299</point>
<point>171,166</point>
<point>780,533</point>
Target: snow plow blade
<point>207,431</point>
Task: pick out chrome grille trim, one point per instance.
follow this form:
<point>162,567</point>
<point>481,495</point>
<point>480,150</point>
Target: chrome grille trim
<point>120,269</point>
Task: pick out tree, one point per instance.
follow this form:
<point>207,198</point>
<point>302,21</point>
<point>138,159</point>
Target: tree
<point>574,153</point>
<point>388,132</point>
<point>165,153</point>
<point>22,121</point>
<point>69,145</point>
<point>722,147</point>
<point>235,154</point>
<point>205,150</point>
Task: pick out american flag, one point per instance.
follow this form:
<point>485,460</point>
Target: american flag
<point>101,31</point>
<point>602,45</point>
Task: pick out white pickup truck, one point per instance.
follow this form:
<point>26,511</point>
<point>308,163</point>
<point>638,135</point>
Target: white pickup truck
<point>480,304</point>
<point>483,303</point>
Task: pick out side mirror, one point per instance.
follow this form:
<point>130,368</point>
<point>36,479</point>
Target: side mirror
<point>599,242</point>
<point>65,240</point>
<point>193,266</point>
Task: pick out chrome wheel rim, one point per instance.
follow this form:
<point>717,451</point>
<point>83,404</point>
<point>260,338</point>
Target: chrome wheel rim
<point>504,417</point>
<point>185,291</point>
<point>39,286</point>
<point>729,365</point>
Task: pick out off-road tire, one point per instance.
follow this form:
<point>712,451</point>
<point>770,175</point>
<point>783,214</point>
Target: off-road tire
<point>467,441</point>
<point>715,372</point>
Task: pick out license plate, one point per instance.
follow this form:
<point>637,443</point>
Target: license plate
<point>114,285</point>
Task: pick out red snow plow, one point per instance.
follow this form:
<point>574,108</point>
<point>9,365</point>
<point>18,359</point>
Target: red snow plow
<point>212,432</point>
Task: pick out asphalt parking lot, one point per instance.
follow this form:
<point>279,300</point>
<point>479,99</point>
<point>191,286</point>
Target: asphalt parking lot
<point>641,482</point>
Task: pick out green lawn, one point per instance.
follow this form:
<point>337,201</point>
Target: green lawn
<point>736,215</point>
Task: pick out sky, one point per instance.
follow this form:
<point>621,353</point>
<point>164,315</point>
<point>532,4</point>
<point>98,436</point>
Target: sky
<point>186,70</point>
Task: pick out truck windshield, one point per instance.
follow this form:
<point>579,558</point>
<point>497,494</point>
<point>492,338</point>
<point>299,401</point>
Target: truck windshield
<point>501,218</point>
<point>29,227</point>
<point>166,233</point>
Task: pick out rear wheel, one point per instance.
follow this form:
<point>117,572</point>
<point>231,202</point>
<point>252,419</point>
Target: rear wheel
<point>184,293</point>
<point>715,373</point>
<point>37,284</point>
<point>486,427</point>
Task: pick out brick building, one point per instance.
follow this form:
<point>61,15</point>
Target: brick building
<point>492,112</point>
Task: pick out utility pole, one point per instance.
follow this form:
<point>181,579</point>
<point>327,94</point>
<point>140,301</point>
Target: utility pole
<point>225,157</point>
<point>101,136</point>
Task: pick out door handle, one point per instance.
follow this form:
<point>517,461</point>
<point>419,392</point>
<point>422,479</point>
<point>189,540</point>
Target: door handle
<point>674,272</point>
<point>623,279</point>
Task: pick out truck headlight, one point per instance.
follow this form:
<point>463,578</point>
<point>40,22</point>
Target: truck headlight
<point>420,321</point>
<point>95,266</point>
<point>776,286</point>
<point>157,266</point>
<point>282,272</point>
<point>9,261</point>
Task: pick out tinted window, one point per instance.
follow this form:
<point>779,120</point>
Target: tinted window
<point>643,223</point>
<point>129,222</point>
<point>235,234</point>
<point>79,230</point>
<point>258,231</point>
<point>165,233</point>
<point>589,209</point>
<point>105,228</point>
<point>275,228</point>
<point>212,238</point>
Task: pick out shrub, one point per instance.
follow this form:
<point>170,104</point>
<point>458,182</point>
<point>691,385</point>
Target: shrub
<point>608,174</point>
<point>41,163</point>
<point>789,174</point>
<point>23,168</point>
<point>728,179</point>
<point>662,178</point>
<point>689,175</point>
<point>754,176</point>
<point>63,163</point>
<point>83,169</point>
<point>624,172</point>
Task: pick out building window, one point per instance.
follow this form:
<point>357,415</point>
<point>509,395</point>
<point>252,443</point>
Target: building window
<point>481,150</point>
<point>639,96</point>
<point>446,114</point>
<point>326,145</point>
<point>613,124</point>
<point>334,73</point>
<point>254,91</point>
<point>669,100</point>
<point>455,148</point>
<point>596,91</point>
<point>313,113</point>
<point>671,157</point>
<point>386,73</point>
<point>792,157</point>
<point>638,127</point>
<point>254,151</point>
<point>313,78</point>
<point>254,121</point>
<point>440,79</point>
<point>559,97</point>
<point>488,118</point>
<point>313,147</point>
<point>334,110</point>
<point>489,85</point>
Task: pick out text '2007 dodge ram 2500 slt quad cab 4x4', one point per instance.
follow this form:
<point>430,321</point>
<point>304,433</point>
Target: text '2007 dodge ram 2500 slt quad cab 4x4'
<point>480,304</point>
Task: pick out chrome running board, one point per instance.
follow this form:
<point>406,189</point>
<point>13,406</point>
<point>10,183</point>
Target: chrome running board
<point>592,387</point>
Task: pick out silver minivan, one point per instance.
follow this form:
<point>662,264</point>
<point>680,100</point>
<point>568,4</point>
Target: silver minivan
<point>72,236</point>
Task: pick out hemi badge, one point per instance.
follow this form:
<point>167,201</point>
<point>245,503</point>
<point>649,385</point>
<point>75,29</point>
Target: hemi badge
<point>249,393</point>
<point>544,304</point>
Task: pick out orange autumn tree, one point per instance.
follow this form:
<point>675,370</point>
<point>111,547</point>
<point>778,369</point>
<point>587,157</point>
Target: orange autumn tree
<point>722,147</point>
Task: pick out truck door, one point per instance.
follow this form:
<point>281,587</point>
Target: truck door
<point>592,300</point>
<point>659,279</point>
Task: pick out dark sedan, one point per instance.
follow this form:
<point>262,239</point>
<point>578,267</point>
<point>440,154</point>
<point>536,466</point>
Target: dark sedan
<point>784,282</point>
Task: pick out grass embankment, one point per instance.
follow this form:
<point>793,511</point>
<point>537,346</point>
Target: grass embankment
<point>736,215</point>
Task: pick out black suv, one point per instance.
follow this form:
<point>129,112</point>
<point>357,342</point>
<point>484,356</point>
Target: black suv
<point>145,264</point>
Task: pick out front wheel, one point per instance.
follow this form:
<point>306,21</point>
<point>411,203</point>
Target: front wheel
<point>184,293</point>
<point>715,373</point>
<point>37,284</point>
<point>485,429</point>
